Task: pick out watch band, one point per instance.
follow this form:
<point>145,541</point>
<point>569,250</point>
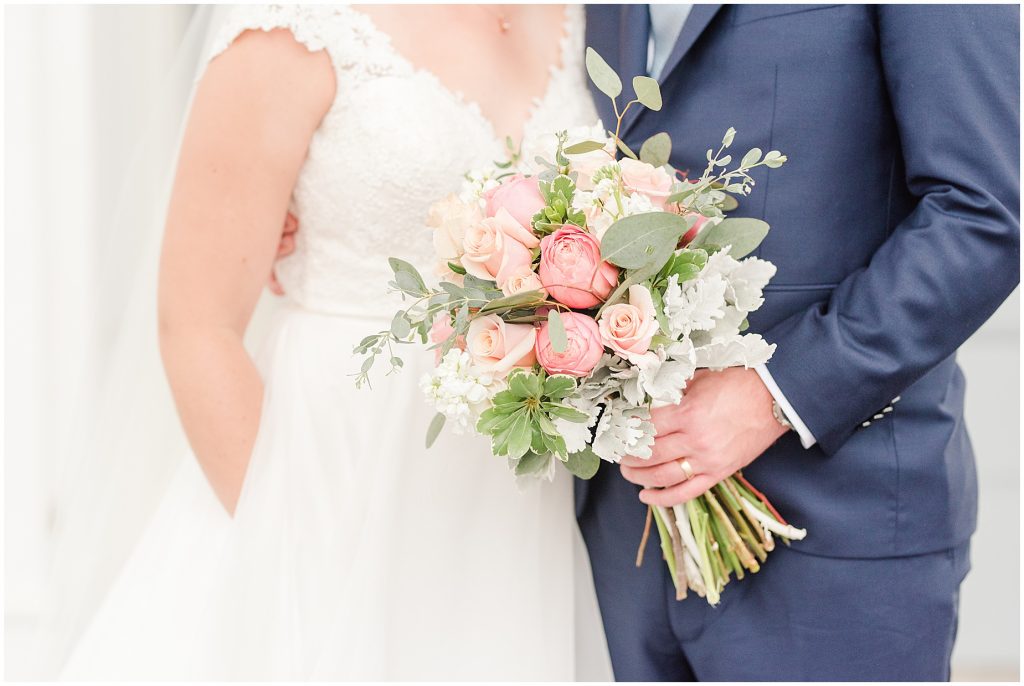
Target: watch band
<point>780,416</point>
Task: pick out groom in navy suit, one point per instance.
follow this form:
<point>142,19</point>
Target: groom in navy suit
<point>896,235</point>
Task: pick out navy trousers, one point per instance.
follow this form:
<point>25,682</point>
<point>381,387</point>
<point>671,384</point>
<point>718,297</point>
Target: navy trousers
<point>801,618</point>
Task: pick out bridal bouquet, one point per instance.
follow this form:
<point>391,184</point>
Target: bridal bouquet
<point>578,290</point>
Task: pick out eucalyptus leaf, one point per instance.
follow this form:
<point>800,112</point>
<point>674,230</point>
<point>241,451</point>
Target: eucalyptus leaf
<point>656,150</point>
<point>582,147</point>
<point>638,240</point>
<point>524,299</point>
<point>400,267</point>
<point>626,150</point>
<point>583,464</point>
<point>742,233</point>
<point>436,424</point>
<point>400,327</point>
<point>556,331</point>
<point>603,76</point>
<point>648,92</point>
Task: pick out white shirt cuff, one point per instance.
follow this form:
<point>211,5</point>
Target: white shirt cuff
<point>807,439</point>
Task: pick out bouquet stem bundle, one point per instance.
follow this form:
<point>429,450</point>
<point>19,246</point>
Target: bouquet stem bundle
<point>728,530</point>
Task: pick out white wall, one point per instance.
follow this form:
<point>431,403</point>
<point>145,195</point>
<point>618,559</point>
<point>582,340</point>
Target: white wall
<point>79,81</point>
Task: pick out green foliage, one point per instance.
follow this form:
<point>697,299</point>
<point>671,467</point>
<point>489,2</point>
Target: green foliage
<point>583,464</point>
<point>603,76</point>
<point>556,331</point>
<point>558,210</point>
<point>643,239</point>
<point>583,147</point>
<point>742,233</point>
<point>521,418</point>
<point>436,424</point>
<point>657,149</point>
<point>648,92</point>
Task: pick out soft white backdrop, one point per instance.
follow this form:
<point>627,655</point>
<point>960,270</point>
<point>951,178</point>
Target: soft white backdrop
<point>79,81</point>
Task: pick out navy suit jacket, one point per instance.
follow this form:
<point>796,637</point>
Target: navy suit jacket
<point>895,230</point>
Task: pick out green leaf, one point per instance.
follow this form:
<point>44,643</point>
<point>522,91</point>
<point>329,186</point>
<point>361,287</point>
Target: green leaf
<point>556,331</point>
<point>625,149</point>
<point>742,233</point>
<point>518,383</point>
<point>648,92</point>
<point>531,463</point>
<point>557,386</point>
<point>728,204</point>
<point>583,464</point>
<point>400,326</point>
<point>436,424</point>
<point>641,239</point>
<point>520,436</point>
<point>751,158</point>
<point>774,159</point>
<point>582,147</point>
<point>603,76</point>
<point>457,268</point>
<point>656,150</point>
<point>565,412</point>
<point>633,276</point>
<point>400,267</point>
<point>524,299</point>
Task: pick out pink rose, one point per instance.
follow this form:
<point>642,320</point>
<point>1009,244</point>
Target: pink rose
<point>497,347</point>
<point>627,328</point>
<point>571,268</point>
<point>519,195</point>
<point>522,280</point>
<point>440,331</point>
<point>583,349</point>
<point>496,247</point>
<point>654,182</point>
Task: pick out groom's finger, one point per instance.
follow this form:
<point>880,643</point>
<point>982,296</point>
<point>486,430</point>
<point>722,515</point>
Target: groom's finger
<point>670,447</point>
<point>678,494</point>
<point>658,476</point>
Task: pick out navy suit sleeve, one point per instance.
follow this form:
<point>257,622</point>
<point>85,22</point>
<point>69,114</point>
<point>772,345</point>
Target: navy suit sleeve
<point>952,73</point>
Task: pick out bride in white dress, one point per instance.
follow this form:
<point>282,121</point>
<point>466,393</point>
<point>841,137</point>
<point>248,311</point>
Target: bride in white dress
<point>352,552</point>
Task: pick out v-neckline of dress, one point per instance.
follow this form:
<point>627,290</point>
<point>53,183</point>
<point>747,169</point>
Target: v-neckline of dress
<point>471,105</point>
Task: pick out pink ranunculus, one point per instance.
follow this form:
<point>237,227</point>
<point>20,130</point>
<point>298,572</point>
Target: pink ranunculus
<point>583,349</point>
<point>571,268</point>
<point>627,328</point>
<point>497,346</point>
<point>440,331</point>
<point>641,177</point>
<point>496,247</point>
<point>519,195</point>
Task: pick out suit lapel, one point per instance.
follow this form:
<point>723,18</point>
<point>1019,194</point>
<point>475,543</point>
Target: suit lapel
<point>699,18</point>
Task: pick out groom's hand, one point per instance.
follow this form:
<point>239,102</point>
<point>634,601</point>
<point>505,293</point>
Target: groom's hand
<point>723,423</point>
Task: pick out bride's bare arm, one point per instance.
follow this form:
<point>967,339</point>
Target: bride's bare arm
<point>254,113</point>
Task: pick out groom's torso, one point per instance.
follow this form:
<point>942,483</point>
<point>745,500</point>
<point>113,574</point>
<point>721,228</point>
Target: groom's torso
<point>808,80</point>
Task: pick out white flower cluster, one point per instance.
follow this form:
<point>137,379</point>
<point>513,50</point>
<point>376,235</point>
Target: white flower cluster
<point>459,391</point>
<point>477,182</point>
<point>710,311</point>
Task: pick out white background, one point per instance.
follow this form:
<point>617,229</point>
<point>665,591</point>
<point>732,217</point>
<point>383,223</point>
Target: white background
<point>78,84</point>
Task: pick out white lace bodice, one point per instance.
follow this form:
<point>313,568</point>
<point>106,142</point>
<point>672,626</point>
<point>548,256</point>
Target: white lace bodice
<point>394,141</point>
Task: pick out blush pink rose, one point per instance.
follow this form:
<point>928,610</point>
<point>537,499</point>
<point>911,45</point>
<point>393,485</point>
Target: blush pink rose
<point>496,247</point>
<point>497,346</point>
<point>522,280</point>
<point>440,331</point>
<point>654,182</point>
<point>582,352</point>
<point>627,328</point>
<point>519,195</point>
<point>571,268</point>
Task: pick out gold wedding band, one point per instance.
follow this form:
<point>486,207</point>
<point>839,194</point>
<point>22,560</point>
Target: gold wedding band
<point>684,464</point>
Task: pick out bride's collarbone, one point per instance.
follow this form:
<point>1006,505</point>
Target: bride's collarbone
<point>504,73</point>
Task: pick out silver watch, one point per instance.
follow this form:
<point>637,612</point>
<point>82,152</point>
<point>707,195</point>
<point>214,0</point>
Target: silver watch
<point>780,416</point>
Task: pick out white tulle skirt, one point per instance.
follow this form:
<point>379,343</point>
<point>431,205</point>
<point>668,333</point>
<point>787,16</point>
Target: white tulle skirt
<point>355,553</point>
